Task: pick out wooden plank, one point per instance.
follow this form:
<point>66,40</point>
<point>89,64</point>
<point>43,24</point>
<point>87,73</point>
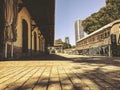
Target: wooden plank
<point>87,84</point>
<point>54,83</point>
<point>16,85</point>
<point>32,81</point>
<point>2,69</point>
<point>73,78</point>
<point>42,83</point>
<point>6,78</point>
<point>64,79</point>
<point>14,79</point>
<point>8,72</point>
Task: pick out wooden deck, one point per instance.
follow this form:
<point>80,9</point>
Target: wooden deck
<point>59,75</point>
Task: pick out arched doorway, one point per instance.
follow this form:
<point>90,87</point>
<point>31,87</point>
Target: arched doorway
<point>35,41</point>
<point>24,37</point>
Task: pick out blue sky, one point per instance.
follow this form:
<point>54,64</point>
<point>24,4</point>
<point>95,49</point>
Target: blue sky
<point>68,11</point>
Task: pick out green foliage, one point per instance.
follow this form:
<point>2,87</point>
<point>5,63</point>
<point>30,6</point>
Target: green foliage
<point>104,16</point>
<point>112,2</point>
<point>66,45</point>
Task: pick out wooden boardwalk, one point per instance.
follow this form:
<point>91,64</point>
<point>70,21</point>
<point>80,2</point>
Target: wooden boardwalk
<point>77,74</point>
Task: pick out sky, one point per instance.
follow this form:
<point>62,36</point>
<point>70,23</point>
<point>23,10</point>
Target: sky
<point>68,11</point>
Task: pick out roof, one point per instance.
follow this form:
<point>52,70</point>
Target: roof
<point>101,29</point>
<point>43,13</point>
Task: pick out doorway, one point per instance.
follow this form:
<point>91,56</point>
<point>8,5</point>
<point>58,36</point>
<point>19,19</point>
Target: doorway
<point>24,37</point>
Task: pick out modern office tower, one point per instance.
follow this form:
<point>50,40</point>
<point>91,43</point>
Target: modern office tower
<point>67,40</point>
<point>79,33</point>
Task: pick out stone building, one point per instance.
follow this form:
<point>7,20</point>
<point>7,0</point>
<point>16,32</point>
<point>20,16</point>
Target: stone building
<point>26,28</point>
<point>38,40</point>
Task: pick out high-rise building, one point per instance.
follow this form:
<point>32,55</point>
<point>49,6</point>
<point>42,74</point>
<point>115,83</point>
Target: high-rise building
<point>79,33</point>
<point>67,40</point>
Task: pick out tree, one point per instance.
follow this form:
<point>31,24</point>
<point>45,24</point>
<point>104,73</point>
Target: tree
<point>58,42</point>
<point>104,16</point>
<point>66,45</point>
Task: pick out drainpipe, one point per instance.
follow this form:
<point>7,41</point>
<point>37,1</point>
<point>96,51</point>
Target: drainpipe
<point>109,50</point>
<point>6,50</point>
<point>12,49</point>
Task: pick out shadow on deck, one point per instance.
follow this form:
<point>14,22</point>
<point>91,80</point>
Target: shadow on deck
<point>94,73</point>
<point>39,57</point>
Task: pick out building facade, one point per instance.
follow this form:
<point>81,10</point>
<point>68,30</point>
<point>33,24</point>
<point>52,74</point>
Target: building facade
<point>103,42</point>
<point>20,32</point>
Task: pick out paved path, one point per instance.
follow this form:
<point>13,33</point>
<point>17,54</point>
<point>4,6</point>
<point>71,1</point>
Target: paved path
<point>59,73</point>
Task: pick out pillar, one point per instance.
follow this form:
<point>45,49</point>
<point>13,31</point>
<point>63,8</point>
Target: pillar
<point>109,50</point>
